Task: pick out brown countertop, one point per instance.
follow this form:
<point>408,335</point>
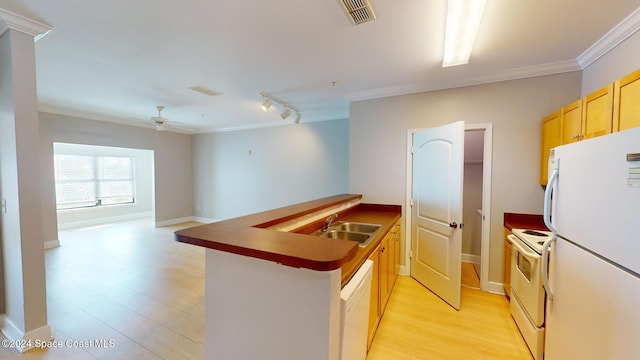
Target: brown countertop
<point>524,221</point>
<point>386,215</point>
<point>248,236</point>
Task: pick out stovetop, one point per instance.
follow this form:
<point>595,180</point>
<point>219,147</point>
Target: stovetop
<point>533,238</point>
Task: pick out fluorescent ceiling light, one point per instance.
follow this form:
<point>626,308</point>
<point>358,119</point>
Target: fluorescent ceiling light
<point>463,21</point>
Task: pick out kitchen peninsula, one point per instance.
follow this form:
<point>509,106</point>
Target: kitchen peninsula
<point>272,289</point>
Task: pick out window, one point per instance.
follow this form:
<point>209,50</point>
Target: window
<point>86,181</point>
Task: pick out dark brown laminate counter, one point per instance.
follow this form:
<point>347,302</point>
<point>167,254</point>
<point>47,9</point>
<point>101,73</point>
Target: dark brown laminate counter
<point>385,215</point>
<point>523,221</point>
<point>248,236</point>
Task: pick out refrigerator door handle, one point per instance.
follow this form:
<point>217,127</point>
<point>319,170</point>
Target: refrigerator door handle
<point>547,197</point>
<point>553,180</point>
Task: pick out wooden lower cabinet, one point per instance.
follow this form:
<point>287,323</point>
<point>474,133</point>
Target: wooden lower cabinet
<point>394,255</point>
<point>386,264</point>
<point>374,305</point>
<point>507,264</point>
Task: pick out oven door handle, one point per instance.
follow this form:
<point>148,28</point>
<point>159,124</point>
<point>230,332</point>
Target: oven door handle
<point>528,254</point>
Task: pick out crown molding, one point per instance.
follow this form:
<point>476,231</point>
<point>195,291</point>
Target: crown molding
<point>621,32</point>
<point>121,120</point>
<point>504,75</point>
<point>13,21</point>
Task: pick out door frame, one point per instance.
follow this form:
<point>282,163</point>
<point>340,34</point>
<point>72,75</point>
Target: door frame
<point>486,201</point>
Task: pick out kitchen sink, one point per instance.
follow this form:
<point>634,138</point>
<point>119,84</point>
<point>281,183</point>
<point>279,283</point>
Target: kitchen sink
<point>356,227</point>
<point>363,233</point>
<point>346,235</point>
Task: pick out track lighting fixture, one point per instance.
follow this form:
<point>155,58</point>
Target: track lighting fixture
<point>266,104</point>
<point>285,114</point>
<point>287,109</point>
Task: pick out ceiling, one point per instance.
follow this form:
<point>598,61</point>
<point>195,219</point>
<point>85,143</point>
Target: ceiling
<point>116,60</point>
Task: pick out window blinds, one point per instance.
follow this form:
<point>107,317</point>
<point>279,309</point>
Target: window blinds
<point>83,181</point>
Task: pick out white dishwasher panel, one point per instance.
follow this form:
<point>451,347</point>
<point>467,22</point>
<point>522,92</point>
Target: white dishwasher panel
<point>354,319</point>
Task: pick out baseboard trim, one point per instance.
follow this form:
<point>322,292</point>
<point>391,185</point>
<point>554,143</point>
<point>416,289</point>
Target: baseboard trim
<point>471,258</point>
<point>51,244</point>
<point>24,341</point>
<point>495,288</point>
<point>403,271</point>
<point>184,220</point>
<point>103,220</point>
<point>204,219</point>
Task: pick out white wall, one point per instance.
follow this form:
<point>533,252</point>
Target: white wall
<point>142,207</point>
<point>248,171</point>
<point>378,132</point>
<point>472,188</point>
<point>172,162</point>
<point>24,304</point>
<point>622,60</point>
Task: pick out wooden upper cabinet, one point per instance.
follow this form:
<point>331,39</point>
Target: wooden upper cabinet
<point>550,139</point>
<point>571,123</point>
<point>626,112</point>
<point>597,112</point>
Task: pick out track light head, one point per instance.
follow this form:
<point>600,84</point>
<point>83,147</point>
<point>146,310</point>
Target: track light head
<point>266,104</point>
<point>285,113</point>
<point>287,109</point>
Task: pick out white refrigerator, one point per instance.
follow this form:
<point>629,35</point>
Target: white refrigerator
<point>593,288</point>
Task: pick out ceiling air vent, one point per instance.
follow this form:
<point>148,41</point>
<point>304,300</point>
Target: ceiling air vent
<point>358,11</point>
<point>205,91</point>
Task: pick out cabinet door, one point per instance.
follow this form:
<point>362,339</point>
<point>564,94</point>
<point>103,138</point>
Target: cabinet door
<point>571,122</point>
<point>626,108</point>
<point>384,274</point>
<point>394,256</point>
<point>398,237</point>
<point>597,112</point>
<point>374,304</point>
<point>391,260</point>
<point>550,139</point>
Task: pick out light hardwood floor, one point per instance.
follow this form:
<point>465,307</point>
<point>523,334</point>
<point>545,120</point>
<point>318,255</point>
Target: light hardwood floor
<point>129,283</point>
<point>133,284</point>
<point>419,325</point>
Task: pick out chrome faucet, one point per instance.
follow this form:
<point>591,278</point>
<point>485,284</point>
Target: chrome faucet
<point>329,221</point>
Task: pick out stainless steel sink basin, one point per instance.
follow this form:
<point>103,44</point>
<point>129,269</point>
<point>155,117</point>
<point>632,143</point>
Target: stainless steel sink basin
<point>345,235</point>
<point>363,233</point>
<point>356,227</point>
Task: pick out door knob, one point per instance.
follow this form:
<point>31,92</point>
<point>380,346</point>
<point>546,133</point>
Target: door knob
<point>453,225</point>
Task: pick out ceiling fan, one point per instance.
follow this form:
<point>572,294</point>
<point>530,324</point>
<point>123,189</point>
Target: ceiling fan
<point>159,121</point>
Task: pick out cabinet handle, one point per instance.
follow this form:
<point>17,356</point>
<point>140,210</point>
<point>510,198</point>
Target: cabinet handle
<point>453,225</point>
<point>381,250</point>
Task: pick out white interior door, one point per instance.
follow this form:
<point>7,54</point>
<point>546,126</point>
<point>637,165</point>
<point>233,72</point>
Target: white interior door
<point>436,214</point>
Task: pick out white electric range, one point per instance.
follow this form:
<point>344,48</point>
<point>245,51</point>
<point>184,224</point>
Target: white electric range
<point>527,292</point>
